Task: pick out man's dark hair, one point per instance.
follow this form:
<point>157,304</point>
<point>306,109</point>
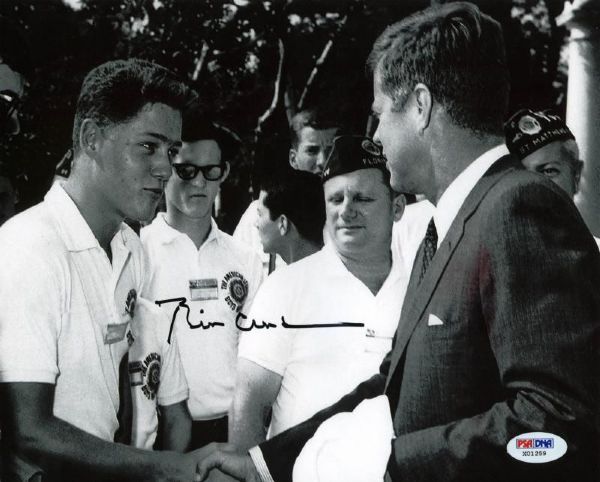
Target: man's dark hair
<point>458,53</point>
<point>14,47</point>
<point>309,118</point>
<point>116,91</point>
<point>197,126</point>
<point>299,196</point>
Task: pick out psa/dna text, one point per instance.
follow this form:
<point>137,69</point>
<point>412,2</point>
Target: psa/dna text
<point>536,447</point>
<point>535,443</point>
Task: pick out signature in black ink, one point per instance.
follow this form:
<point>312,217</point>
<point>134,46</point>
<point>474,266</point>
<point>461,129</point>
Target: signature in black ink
<point>343,324</point>
<point>253,324</point>
<point>183,304</point>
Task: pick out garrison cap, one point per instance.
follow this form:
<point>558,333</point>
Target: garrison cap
<point>527,131</point>
<point>351,153</point>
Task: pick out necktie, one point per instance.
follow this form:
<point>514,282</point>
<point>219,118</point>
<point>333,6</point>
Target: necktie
<point>429,247</point>
<point>125,413</point>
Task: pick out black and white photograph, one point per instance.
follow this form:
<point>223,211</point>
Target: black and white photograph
<point>300,240</point>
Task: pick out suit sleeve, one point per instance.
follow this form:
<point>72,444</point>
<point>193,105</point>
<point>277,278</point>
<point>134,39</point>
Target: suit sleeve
<point>539,276</point>
<point>280,452</point>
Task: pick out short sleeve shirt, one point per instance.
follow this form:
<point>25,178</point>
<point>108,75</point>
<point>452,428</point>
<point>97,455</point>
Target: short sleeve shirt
<point>210,286</point>
<point>319,365</point>
<point>155,371</point>
<point>66,309</point>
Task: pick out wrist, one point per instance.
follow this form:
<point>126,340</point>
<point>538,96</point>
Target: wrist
<point>168,465</point>
<point>251,471</point>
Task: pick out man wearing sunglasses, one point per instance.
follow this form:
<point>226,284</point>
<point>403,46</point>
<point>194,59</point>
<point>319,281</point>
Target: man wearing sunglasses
<point>201,277</point>
<point>14,64</point>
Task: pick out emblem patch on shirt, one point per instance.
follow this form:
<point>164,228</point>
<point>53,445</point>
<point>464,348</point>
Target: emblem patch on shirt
<point>149,375</point>
<point>237,290</point>
<point>130,302</point>
<point>204,289</point>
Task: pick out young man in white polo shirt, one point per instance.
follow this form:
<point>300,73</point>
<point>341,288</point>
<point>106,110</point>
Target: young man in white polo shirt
<point>291,215</point>
<point>201,277</point>
<point>311,136</point>
<point>353,279</point>
<point>71,274</point>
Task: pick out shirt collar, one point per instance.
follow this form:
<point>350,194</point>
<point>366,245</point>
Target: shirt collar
<point>456,193</point>
<point>214,234</point>
<point>75,230</point>
<point>167,233</point>
<point>337,265</point>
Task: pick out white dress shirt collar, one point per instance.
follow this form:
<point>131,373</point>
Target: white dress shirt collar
<point>456,193</point>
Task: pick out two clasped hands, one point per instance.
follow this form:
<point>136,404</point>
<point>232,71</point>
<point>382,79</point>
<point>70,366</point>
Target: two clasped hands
<point>221,462</point>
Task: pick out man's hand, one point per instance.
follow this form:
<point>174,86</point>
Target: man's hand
<point>225,458</point>
<point>180,467</point>
<point>216,475</point>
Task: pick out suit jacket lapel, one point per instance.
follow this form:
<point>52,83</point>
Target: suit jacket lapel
<point>418,295</point>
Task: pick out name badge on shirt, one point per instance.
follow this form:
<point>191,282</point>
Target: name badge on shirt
<point>376,343</point>
<point>115,333</point>
<point>204,289</point>
<point>135,373</point>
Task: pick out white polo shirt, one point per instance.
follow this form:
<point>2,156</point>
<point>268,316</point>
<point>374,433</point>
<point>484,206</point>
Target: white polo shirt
<point>65,309</point>
<point>247,233</point>
<point>320,365</point>
<point>155,371</point>
<point>212,284</point>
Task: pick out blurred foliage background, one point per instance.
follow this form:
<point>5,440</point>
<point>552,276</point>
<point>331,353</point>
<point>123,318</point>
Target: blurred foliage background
<point>253,62</point>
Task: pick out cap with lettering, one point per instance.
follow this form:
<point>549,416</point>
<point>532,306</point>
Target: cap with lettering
<point>527,131</point>
<point>351,153</point>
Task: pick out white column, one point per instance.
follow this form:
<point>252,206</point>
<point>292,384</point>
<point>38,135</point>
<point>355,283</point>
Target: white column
<point>582,18</point>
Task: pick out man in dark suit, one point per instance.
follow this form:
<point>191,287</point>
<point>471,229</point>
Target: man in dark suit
<point>499,333</point>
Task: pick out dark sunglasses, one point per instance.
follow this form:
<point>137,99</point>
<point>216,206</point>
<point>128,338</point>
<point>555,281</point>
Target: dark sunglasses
<point>9,102</point>
<point>187,171</point>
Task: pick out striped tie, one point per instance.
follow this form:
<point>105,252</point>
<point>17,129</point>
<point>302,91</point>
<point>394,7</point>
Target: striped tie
<point>429,247</point>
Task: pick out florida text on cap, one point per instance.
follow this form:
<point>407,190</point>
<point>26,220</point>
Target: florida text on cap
<point>351,153</point>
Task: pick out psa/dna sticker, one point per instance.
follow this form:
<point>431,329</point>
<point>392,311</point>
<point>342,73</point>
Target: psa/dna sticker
<point>536,447</point>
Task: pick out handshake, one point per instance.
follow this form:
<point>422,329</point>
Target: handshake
<point>221,462</point>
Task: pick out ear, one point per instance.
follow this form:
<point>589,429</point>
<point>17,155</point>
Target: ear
<point>226,173</point>
<point>90,137</point>
<point>424,105</point>
<point>577,174</point>
<point>283,225</point>
<point>292,158</point>
<point>398,205</point>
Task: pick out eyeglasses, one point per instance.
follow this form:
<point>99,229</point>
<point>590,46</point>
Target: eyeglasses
<point>9,103</point>
<point>187,171</point>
